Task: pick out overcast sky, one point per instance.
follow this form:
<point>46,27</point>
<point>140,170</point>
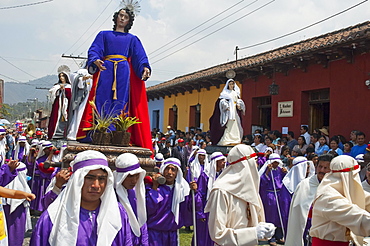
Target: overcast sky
<point>33,38</point>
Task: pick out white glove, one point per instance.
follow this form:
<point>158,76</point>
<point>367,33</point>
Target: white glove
<point>265,230</point>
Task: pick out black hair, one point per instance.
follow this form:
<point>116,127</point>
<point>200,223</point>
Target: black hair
<point>305,128</point>
<point>65,76</point>
<point>129,24</point>
<point>304,140</point>
<point>291,134</point>
<point>350,144</point>
<point>315,136</point>
<point>335,139</point>
<point>326,157</point>
<point>360,134</point>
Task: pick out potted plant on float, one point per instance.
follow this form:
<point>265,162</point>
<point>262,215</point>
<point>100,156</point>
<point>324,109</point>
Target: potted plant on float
<point>101,133</point>
<point>122,122</point>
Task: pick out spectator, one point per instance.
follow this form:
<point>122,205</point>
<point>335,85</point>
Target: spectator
<point>315,140</point>
<point>323,147</point>
<point>302,145</point>
<point>291,141</point>
<point>305,134</point>
<point>360,148</point>
<point>334,145</point>
<point>347,148</point>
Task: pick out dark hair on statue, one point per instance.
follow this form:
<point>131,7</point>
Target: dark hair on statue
<point>65,76</point>
<point>129,24</point>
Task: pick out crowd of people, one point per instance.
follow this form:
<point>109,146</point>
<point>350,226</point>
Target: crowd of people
<point>290,170</point>
<point>267,190</point>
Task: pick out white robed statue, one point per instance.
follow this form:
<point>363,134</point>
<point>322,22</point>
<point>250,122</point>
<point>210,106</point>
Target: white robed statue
<point>230,104</point>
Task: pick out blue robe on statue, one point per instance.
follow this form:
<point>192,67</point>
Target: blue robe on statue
<point>118,50</point>
<point>116,43</point>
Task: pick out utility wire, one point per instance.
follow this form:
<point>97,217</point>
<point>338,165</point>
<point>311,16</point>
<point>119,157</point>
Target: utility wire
<point>26,5</point>
<point>18,67</point>
<point>206,28</point>
<point>214,31</point>
<point>196,27</point>
<point>301,29</point>
<point>89,27</point>
<point>10,78</point>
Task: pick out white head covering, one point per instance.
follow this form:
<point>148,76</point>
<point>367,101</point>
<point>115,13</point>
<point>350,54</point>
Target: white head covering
<point>272,158</point>
<point>64,212</point>
<point>34,142</point>
<point>195,167</point>
<point>194,149</point>
<point>42,145</point>
<point>225,93</point>
<point>128,164</point>
<point>360,158</point>
<point>242,167</point>
<point>19,183</point>
<point>22,139</point>
<point>269,149</point>
<point>210,170</point>
<point>159,158</point>
<point>181,187</point>
<point>296,174</point>
<point>344,178</point>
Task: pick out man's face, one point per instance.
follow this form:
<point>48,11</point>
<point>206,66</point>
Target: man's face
<point>360,139</point>
<point>220,164</point>
<point>201,158</point>
<point>275,164</point>
<point>170,173</point>
<point>22,144</point>
<point>313,140</point>
<point>122,19</point>
<point>322,168</point>
<point>2,136</point>
<point>94,185</point>
<point>302,130</point>
<point>352,136</point>
<point>130,181</point>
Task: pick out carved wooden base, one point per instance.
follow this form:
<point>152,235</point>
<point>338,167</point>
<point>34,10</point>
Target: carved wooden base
<point>111,152</point>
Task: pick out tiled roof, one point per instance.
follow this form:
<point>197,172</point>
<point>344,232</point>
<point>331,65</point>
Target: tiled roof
<point>323,42</point>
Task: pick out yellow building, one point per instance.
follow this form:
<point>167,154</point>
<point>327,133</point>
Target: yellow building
<point>184,105</point>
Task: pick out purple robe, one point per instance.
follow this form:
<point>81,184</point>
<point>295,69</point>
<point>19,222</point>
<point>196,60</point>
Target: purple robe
<point>6,176</point>
<point>16,224</point>
<point>20,154</point>
<point>269,200</point>
<point>39,184</point>
<point>203,237</point>
<point>87,229</point>
<point>162,228</point>
<point>261,161</point>
<point>49,198</point>
<point>143,239</point>
<point>116,43</point>
<point>188,175</point>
